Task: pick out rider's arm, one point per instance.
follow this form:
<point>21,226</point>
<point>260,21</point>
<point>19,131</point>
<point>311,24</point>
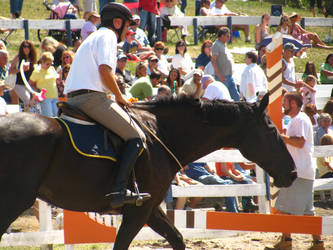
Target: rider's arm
<point>109,81</point>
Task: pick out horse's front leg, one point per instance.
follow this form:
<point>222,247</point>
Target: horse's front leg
<point>159,222</point>
<point>134,218</point>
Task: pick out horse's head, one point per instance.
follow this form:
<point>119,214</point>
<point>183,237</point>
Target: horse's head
<point>262,143</point>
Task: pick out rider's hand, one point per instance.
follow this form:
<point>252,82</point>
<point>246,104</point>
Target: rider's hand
<point>122,101</point>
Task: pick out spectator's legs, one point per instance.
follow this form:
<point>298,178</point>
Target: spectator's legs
<point>143,19</point>
<point>14,8</point>
<point>246,30</point>
<point>180,203</point>
<point>46,106</point>
<point>54,107</point>
<point>183,6</point>
<point>151,26</point>
<point>231,85</point>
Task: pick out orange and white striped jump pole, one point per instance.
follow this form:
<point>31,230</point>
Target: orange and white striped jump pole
<point>274,77</point>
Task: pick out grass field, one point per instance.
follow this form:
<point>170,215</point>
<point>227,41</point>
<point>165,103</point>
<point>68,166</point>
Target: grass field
<point>34,9</point>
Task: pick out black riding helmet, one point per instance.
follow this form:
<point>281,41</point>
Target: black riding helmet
<point>116,10</point>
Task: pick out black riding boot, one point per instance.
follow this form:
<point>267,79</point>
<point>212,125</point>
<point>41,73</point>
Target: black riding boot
<point>120,195</point>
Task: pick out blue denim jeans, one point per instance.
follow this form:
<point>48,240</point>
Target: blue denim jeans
<point>231,85</point>
<point>245,199</point>
<point>16,6</point>
<point>213,179</point>
<point>49,107</point>
<point>183,6</point>
<point>102,3</point>
<point>148,20</point>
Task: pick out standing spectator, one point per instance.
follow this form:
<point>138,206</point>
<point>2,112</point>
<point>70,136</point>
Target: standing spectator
<point>92,20</point>
<point>122,71</point>
<point>182,60</point>
<point>288,67</point>
<point>102,3</point>
<point>28,53</point>
<point>51,45</point>
<point>319,5</point>
<point>306,37</point>
<point>206,54</point>
<point>45,77</point>
<point>193,86</point>
<point>163,64</point>
<point>222,62</point>
<point>183,4</point>
<point>326,70</point>
<point>174,81</point>
<point>205,8</point>
<point>253,84</point>
<point>89,6</point>
<point>148,11</point>
<point>16,8</point>
<point>298,198</point>
<point>324,122</point>
<point>261,30</point>
<point>214,90</point>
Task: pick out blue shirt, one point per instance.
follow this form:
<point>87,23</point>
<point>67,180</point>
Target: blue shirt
<point>196,170</point>
<point>130,47</point>
<point>202,60</point>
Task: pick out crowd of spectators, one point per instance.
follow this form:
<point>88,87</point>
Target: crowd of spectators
<point>158,74</point>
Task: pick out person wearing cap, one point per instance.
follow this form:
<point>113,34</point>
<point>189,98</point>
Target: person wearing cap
<point>253,84</point>
<point>92,20</point>
<point>133,48</point>
<point>122,71</point>
<point>140,35</point>
<point>214,90</point>
<point>153,65</point>
<point>305,36</point>
<point>288,67</point>
<point>192,86</point>
<point>222,62</point>
<point>91,78</point>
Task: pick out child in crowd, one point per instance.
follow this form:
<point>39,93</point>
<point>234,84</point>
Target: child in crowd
<point>133,48</point>
<point>308,90</point>
<point>45,77</point>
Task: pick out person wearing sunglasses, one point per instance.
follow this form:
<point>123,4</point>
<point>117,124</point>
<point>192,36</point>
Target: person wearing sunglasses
<point>162,65</point>
<point>206,54</point>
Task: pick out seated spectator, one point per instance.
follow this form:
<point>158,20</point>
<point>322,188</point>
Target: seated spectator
<point>310,69</point>
<point>218,8</point>
<point>45,77</point>
<point>163,65</point>
<point>163,91</point>
<point>308,90</point>
<point>324,122</point>
<point>170,8</point>
<point>214,90</point>
<point>76,45</point>
<point>325,164</point>
<point>182,60</point>
<point>120,69</point>
<point>174,82</point>
<point>203,173</point>
<point>253,84</point>
<point>153,65</point>
<point>261,30</point>
<point>261,53</point>
<point>140,35</point>
<point>63,9</point>
<point>284,25</point>
<point>230,172</point>
<point>306,37</point>
<point>311,111</point>
<point>121,84</point>
<point>142,88</point>
<point>326,70</point>
<point>193,86</point>
<point>51,45</point>
<point>328,108</point>
<point>92,20</point>
<point>62,80</point>
<point>133,49</point>
<point>2,45</point>
<point>206,54</point>
<point>3,104</point>
<point>3,64</point>
<point>155,79</point>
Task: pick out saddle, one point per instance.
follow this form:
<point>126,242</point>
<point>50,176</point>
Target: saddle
<point>66,111</point>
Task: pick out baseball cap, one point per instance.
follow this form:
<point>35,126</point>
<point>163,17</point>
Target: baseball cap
<point>198,72</point>
<point>153,57</point>
<point>122,56</point>
<point>289,46</point>
<point>136,17</point>
<point>130,32</point>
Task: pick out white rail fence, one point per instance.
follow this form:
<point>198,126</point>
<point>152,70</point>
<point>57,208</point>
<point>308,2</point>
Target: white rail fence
<point>48,236</point>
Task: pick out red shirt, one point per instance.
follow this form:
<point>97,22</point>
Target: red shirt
<point>149,5</point>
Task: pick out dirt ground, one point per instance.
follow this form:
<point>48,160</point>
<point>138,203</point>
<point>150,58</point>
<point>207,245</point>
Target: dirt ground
<point>253,241</point>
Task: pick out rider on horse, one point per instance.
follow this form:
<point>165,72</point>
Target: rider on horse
<point>91,77</point>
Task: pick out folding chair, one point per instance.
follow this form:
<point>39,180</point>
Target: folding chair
<point>276,10</point>
<point>166,26</point>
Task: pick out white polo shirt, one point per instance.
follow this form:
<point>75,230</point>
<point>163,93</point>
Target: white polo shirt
<point>217,91</point>
<point>99,48</point>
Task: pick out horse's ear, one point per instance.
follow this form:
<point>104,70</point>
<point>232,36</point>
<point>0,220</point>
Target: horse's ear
<point>264,103</point>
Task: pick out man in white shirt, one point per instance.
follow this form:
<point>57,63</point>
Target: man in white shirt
<point>298,198</point>
<point>91,77</point>
<point>253,84</point>
<point>214,90</point>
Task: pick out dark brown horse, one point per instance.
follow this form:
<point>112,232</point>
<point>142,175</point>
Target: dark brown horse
<point>37,160</point>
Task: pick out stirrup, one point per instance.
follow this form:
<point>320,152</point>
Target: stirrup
<point>125,196</point>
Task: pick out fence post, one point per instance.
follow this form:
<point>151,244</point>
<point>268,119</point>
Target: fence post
<point>264,206</point>
<point>26,29</point>
<point>45,221</point>
<point>69,33</point>
<point>159,28</point>
<point>229,23</point>
<point>195,30</point>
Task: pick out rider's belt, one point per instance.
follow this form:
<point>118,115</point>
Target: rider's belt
<point>80,92</point>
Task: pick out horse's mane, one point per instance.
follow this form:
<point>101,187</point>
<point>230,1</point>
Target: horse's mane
<point>214,112</point>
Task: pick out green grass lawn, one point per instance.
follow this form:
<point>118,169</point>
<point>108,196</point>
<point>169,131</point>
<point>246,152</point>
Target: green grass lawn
<point>34,9</point>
